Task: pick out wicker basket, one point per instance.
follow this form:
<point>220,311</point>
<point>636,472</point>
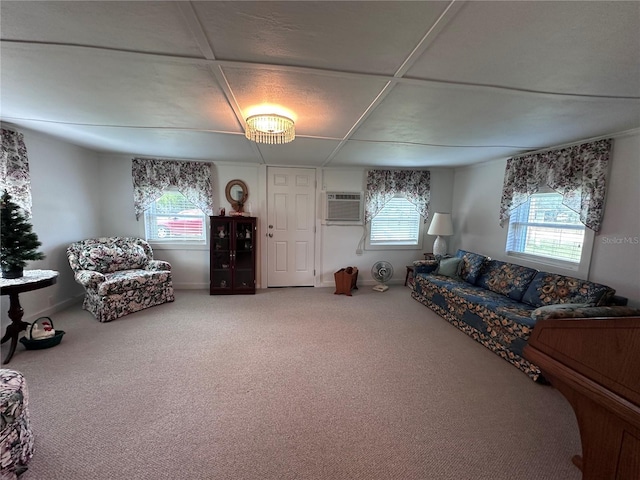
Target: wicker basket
<point>40,343</point>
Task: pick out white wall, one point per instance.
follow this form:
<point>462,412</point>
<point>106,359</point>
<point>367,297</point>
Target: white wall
<point>65,183</point>
<point>616,254</point>
<point>339,243</point>
<point>476,205</point>
<point>190,265</point>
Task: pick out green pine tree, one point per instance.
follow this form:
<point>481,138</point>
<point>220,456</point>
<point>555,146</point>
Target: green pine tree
<point>18,243</point>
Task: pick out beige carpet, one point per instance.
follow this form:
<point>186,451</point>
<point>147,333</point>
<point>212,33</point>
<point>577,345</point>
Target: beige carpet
<point>287,384</point>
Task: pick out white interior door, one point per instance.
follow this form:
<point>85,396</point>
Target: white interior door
<point>291,195</point>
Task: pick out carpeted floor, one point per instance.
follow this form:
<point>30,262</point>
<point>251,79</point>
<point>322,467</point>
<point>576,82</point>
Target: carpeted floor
<point>287,384</point>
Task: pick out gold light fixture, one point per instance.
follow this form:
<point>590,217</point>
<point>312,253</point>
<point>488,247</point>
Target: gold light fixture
<point>270,128</point>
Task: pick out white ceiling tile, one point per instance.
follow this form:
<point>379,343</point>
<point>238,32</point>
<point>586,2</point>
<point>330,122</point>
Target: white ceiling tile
<point>322,105</point>
<point>583,47</point>
<point>463,116</point>
<point>349,36</point>
<point>143,26</point>
<point>109,88</point>
<point>302,151</point>
<point>371,154</point>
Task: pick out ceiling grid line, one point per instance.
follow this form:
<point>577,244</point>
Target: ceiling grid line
<point>408,62</point>
<point>195,26</point>
<point>405,80</point>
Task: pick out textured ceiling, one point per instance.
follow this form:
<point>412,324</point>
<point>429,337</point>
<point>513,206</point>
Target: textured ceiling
<point>411,84</point>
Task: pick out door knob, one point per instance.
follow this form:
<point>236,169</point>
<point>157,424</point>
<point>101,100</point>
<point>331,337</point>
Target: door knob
<point>270,226</point>
<point>270,235</point>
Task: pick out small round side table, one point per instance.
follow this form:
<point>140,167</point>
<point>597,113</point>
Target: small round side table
<point>31,280</point>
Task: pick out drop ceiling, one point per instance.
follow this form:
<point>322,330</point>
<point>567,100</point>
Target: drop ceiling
<point>369,83</point>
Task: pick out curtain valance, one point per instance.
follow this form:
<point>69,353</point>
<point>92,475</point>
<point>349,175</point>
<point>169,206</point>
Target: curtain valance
<point>14,170</point>
<point>151,177</point>
<point>383,185</point>
<point>578,173</point>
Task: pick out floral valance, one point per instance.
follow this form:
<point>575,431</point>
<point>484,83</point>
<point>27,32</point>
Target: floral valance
<point>151,177</point>
<point>14,170</point>
<point>579,173</point>
<point>383,185</point>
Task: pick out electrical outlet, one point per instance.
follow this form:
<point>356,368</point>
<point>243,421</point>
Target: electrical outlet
<point>359,251</point>
<point>51,300</point>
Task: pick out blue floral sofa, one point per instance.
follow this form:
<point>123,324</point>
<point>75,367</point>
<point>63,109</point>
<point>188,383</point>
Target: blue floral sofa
<point>119,275</point>
<point>498,303</point>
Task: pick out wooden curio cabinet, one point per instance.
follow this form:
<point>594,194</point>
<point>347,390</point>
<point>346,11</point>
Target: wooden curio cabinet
<point>233,255</point>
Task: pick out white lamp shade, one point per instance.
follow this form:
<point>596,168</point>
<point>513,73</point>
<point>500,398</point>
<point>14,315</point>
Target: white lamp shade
<point>441,224</point>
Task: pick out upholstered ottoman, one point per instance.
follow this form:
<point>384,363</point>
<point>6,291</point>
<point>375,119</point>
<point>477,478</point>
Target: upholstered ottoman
<point>16,438</point>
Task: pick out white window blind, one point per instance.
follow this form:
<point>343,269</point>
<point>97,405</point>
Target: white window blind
<point>544,227</point>
<point>398,223</point>
<point>172,219</point>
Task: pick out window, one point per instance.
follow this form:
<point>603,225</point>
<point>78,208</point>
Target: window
<point>544,227</point>
<point>397,224</point>
<point>173,219</point>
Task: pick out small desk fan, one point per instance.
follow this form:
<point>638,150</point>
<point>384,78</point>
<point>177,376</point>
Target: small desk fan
<point>382,272</point>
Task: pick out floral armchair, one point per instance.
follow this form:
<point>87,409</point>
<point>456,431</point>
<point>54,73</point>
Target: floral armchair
<point>119,275</point>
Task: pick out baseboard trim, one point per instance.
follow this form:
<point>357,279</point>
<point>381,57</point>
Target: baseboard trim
<point>58,307</point>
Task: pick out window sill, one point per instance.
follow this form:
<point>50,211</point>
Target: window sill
<point>177,246</point>
<point>538,260</point>
<point>394,247</point>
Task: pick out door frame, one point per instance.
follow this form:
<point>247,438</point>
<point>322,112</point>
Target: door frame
<point>263,223</point>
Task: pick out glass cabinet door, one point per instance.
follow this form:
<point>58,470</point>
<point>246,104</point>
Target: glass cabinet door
<point>244,270</point>
<point>221,253</point>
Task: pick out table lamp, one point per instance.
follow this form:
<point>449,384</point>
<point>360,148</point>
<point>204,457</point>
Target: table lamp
<point>441,226</point>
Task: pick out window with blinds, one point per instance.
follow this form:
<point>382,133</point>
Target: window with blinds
<point>544,227</point>
<point>174,219</point>
<point>397,224</point>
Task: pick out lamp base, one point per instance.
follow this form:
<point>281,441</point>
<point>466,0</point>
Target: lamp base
<point>440,246</point>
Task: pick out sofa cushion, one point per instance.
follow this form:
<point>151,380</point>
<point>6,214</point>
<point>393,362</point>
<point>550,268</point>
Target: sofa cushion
<point>550,288</point>
<point>108,258</point>
<point>125,280</point>
<point>506,279</point>
<point>471,265</point>
<point>449,267</point>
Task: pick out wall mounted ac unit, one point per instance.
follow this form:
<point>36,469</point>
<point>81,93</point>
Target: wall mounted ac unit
<point>345,208</point>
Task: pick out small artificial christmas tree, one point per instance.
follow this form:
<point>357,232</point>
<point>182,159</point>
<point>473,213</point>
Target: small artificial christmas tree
<point>18,243</point>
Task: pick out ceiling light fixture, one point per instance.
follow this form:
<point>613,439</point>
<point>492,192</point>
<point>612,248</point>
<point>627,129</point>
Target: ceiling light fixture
<point>270,128</point>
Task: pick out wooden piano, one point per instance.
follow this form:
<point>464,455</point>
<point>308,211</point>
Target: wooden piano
<point>595,364</point>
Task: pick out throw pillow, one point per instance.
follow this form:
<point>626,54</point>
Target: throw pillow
<point>449,267</point>
<point>471,266</point>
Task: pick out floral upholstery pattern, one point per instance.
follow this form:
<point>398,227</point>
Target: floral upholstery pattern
<point>550,288</point>
<point>495,311</point>
<point>578,172</point>
<point>572,310</point>
<point>383,185</point>
<point>506,278</point>
<point>16,437</point>
<point>152,176</point>
<point>471,266</point>
<point>500,323</point>
<point>112,258</point>
<point>14,165</point>
<point>119,275</point>
<point>424,266</point>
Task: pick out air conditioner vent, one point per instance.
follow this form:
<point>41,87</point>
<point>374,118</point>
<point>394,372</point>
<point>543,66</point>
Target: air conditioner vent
<point>343,207</point>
